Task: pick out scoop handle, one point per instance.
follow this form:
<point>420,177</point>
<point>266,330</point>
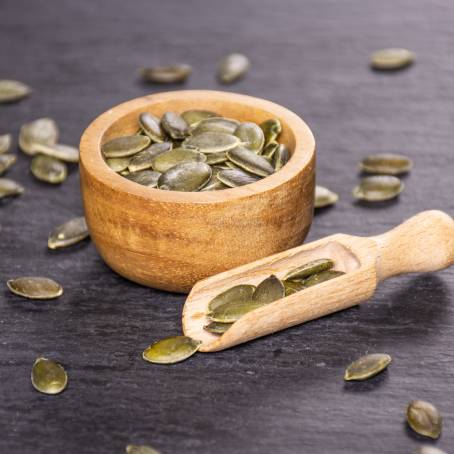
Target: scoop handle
<point>423,243</point>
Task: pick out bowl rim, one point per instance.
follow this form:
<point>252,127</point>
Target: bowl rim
<point>94,164</point>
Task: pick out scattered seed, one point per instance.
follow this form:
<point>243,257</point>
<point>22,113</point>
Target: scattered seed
<point>378,188</point>
<point>424,418</point>
<point>48,376</point>
<point>69,233</point>
<point>367,366</point>
<point>392,59</point>
<point>48,169</point>
<point>324,197</point>
<point>5,143</point>
<point>59,151</point>
<point>386,164</point>
<point>140,449</point>
<point>232,68</point>
<point>40,131</point>
<point>13,91</point>
<point>171,74</point>
<point>35,288</point>
<point>9,188</point>
<point>171,350</point>
<point>6,161</point>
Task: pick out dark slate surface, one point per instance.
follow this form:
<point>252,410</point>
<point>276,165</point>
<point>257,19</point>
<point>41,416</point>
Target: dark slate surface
<point>284,393</point>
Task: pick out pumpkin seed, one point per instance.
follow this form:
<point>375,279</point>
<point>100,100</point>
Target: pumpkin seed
<point>6,161</point>
<point>251,162</point>
<point>212,142</point>
<point>119,164</point>
<point>233,311</point>
<point>386,164</point>
<point>242,292</point>
<point>315,266</point>
<point>214,184</point>
<point>271,129</point>
<point>122,147</point>
<point>424,418</point>
<point>324,197</point>
<point>151,126</point>
<point>216,158</point>
<point>5,142</point>
<point>141,161</point>
<point>430,450</point>
<point>217,328</point>
<point>9,188</point>
<point>378,188</point>
<point>59,151</point>
<point>392,59</point>
<point>236,177</point>
<point>269,150</point>
<point>251,136</point>
<point>171,350</point>
<point>41,131</point>
<point>170,74</point>
<point>322,277</point>
<point>194,116</point>
<point>367,366</point>
<point>69,233</point>
<point>35,288</point>
<point>281,157</point>
<point>232,68</point>
<point>165,161</point>
<point>140,449</point>
<point>187,177</point>
<point>144,177</point>
<point>292,287</point>
<point>48,376</point>
<point>48,169</point>
<point>214,124</point>
<point>12,91</point>
<point>269,290</point>
<point>174,125</point>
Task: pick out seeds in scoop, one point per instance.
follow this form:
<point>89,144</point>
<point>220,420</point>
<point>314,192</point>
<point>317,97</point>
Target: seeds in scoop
<point>151,126</point>
<point>5,143</point>
<point>292,287</point>
<point>251,162</point>
<point>281,157</point>
<point>424,418</point>
<point>35,288</point>
<point>386,164</point>
<point>12,91</point>
<point>69,233</point>
<point>9,188</point>
<point>59,151</point>
<point>212,142</point>
<point>251,136</point>
<point>48,169</point>
<point>122,147</point>
<point>215,124</point>
<point>378,188</point>
<point>144,177</point>
<point>187,177</point>
<point>236,177</point>
<point>367,366</point>
<point>324,197</point>
<point>48,377</point>
<point>41,131</point>
<point>171,350</point>
<point>194,116</point>
<point>269,150</point>
<point>165,161</point>
<point>242,292</point>
<point>315,266</point>
<point>233,311</point>
<point>118,164</point>
<point>217,328</point>
<point>392,59</point>
<point>322,277</point>
<point>6,161</point>
<point>271,129</point>
<point>232,68</point>
<point>170,74</point>
<point>269,290</point>
<point>174,125</point>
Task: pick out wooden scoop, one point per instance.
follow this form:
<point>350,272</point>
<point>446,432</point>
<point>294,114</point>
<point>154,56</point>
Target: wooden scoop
<point>423,243</point>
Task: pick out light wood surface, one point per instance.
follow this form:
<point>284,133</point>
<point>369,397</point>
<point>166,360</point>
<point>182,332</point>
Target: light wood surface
<point>170,240</point>
<point>425,242</point>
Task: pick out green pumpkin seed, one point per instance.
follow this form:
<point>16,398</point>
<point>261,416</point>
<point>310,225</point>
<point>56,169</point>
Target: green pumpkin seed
<point>315,266</point>
<point>143,160</point>
<point>386,164</point>
<point>170,74</point>
<point>144,177</point>
<point>392,59</point>
<point>48,169</point>
<point>118,164</point>
<point>217,328</point>
<point>151,126</point>
<point>424,418</point>
<point>271,129</point>
<point>324,276</point>
<point>378,188</point>
<point>5,143</point>
<point>233,311</point>
<point>269,290</point>
<point>215,124</point>
<point>216,158</point>
<point>41,131</point>
<point>59,151</point>
<point>165,161</point>
<point>187,177</point>
<point>212,142</point>
<point>236,177</point>
<point>35,288</point>
<point>9,188</point>
<point>69,233</point>
<point>232,68</point>
<point>171,350</point>
<point>367,366</point>
<point>122,147</point>
<point>251,162</point>
<point>430,450</point>
<point>242,292</point>
<point>269,150</point>
<point>251,136</point>
<point>292,287</point>
<point>6,161</point>
<point>324,197</point>
<point>140,449</point>
<point>174,125</point>
<point>12,91</point>
<point>214,184</point>
<point>281,157</point>
<point>48,376</point>
<point>194,116</point>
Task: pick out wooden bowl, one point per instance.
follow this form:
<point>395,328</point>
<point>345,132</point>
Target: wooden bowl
<point>170,240</point>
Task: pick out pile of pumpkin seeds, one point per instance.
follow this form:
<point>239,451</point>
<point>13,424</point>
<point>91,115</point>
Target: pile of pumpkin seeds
<point>198,150</point>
